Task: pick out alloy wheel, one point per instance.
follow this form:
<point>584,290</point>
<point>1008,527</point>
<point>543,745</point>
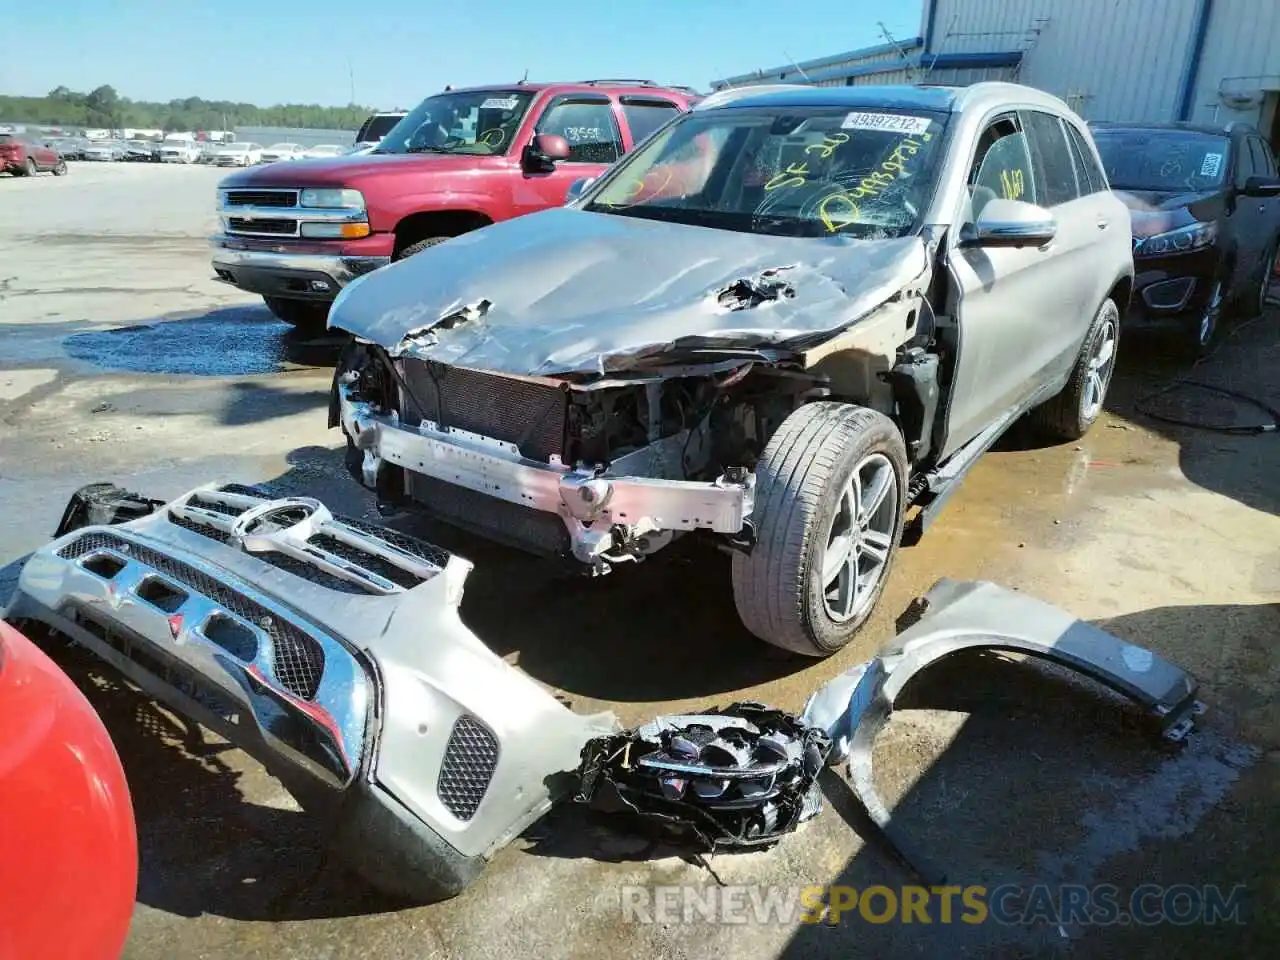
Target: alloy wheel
<point>1101,365</point>
<point>860,538</point>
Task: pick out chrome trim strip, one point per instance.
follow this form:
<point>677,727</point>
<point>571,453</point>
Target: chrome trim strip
<point>316,214</point>
<point>342,270</point>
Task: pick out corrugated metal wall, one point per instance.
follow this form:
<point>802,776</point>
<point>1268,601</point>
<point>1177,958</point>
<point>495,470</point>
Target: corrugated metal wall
<point>1113,59</point>
<point>1241,57</point>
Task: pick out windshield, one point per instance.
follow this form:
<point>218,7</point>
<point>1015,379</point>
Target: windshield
<point>1162,160</point>
<point>809,172</point>
<point>477,122</point>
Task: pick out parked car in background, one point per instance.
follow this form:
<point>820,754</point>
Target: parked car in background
<point>70,865</point>
<point>23,156</point>
<point>1205,208</point>
<point>143,151</point>
<point>69,148</point>
<point>105,150</point>
<point>282,151</point>
<point>789,316</point>
<point>180,150</point>
<point>461,160</point>
<point>324,150</point>
<point>375,127</point>
<point>236,155</point>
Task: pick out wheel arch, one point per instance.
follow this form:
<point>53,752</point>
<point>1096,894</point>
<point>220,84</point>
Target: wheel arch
<point>437,223</point>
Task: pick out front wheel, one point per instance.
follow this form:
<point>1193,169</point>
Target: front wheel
<point>60,168</point>
<point>830,494</point>
<point>1069,414</point>
<point>306,315</point>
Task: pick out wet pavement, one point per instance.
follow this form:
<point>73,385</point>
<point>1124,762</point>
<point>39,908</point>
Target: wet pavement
<point>141,370</point>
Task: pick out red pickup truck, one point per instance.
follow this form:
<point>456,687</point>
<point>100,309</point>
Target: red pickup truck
<point>296,233</point>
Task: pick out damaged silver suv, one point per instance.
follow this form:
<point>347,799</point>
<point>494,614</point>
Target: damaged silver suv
<point>792,320</point>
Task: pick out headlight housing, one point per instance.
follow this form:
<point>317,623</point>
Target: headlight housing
<point>1194,236</point>
<point>333,231</point>
<point>331,198</point>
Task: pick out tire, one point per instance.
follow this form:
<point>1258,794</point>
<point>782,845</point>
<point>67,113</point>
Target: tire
<point>60,168</point>
<point>801,506</point>
<point>1200,340</point>
<point>1069,414</point>
<point>306,315</point>
<point>30,170</point>
<point>1258,305</point>
<point>418,247</point>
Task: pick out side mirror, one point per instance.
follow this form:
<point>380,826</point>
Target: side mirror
<point>1010,223</point>
<point>577,189</point>
<point>1262,187</point>
<point>546,148</point>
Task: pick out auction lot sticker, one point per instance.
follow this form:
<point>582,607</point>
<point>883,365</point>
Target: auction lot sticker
<point>893,122</point>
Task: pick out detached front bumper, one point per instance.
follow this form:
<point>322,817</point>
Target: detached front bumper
<point>603,510</point>
<point>332,651</point>
<point>313,271</point>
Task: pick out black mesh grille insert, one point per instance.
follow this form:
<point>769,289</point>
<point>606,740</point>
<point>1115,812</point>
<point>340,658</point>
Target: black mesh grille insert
<point>403,541</point>
<point>213,533</point>
<point>312,573</point>
<point>370,562</point>
<point>531,415</point>
<point>214,506</point>
<point>470,758</point>
<point>297,660</point>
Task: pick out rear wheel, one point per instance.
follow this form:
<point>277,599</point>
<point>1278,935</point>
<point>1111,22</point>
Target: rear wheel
<point>830,493</point>
<point>31,169</point>
<point>1070,414</point>
<point>304,314</point>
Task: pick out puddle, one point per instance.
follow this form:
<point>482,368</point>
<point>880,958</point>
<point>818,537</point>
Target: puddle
<point>234,341</point>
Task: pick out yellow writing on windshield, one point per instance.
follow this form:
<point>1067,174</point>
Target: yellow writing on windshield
<point>638,185</point>
<point>793,176</point>
<point>838,210</point>
<point>1013,184</point>
<point>828,145</point>
<point>893,167</point>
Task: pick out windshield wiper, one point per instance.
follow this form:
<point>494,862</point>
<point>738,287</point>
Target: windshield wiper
<point>427,148</point>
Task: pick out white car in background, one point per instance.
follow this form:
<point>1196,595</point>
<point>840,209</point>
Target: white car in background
<point>376,127</point>
<point>321,150</point>
<point>237,155</point>
<point>179,151</point>
<point>282,151</point>
<point>104,150</point>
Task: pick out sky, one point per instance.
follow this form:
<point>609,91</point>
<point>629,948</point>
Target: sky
<point>399,51</point>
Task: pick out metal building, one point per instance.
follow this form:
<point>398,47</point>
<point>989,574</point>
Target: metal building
<point>1207,61</point>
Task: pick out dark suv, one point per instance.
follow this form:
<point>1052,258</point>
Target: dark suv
<point>1205,207</point>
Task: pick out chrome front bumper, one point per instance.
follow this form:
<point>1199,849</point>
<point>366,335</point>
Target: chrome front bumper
<point>594,504</point>
<point>231,257</point>
<point>332,651</point>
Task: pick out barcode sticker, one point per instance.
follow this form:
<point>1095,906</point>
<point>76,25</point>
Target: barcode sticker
<point>892,122</point>
<point>1212,164</point>
<point>499,103</point>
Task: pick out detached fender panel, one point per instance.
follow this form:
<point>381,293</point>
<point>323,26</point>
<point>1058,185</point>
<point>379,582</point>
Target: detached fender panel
<point>970,615</point>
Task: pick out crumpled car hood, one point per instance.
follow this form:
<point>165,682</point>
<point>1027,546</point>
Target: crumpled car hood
<point>566,291</point>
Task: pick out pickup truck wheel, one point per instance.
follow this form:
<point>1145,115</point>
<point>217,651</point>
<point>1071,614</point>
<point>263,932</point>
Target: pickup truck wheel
<point>418,247</point>
<point>306,315</point>
<point>31,169</point>
<point>830,494</point>
<point>60,168</point>
<point>1070,414</point>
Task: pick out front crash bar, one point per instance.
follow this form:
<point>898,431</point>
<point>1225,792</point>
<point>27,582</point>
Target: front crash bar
<point>976,615</point>
<point>582,496</point>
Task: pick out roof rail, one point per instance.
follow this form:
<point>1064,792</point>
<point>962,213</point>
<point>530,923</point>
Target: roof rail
<point>621,80</point>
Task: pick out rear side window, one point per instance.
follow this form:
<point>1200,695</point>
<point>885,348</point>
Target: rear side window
<point>589,128</point>
<point>1090,175</point>
<point>646,116</point>
<point>1052,158</point>
<point>1244,162</point>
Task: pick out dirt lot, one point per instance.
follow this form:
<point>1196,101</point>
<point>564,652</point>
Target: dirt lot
<point>123,361</point>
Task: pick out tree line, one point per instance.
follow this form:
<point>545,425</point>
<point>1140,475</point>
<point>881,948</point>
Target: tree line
<point>103,107</point>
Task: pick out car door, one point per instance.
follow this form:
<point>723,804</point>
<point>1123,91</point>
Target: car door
<point>1263,212</point>
<point>1009,300</point>
<point>1243,219</point>
<point>589,125</point>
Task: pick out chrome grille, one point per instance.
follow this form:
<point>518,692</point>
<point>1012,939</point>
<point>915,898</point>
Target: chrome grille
<point>470,758</point>
<point>296,659</point>
<point>261,198</point>
<point>275,228</point>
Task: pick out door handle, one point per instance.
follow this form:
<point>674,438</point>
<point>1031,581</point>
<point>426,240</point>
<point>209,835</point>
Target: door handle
<point>1103,223</point>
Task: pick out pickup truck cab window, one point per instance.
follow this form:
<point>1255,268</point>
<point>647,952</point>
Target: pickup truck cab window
<point>645,116</point>
<point>588,125</point>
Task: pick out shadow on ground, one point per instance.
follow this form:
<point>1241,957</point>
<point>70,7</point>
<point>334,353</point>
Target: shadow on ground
<point>229,341</point>
<point>1052,780</point>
